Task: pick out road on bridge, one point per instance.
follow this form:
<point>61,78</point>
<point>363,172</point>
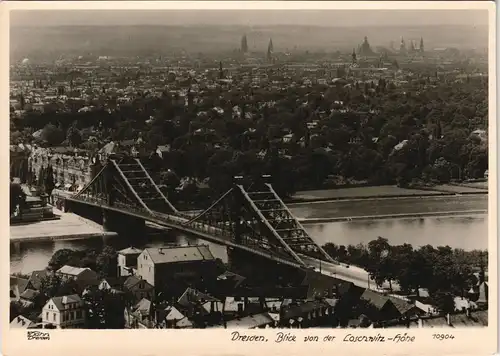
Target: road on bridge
<point>352,274</point>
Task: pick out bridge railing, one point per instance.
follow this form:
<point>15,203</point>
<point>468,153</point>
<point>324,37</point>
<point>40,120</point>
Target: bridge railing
<point>179,221</point>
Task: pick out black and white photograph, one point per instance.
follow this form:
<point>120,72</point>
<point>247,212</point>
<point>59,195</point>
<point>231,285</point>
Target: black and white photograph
<point>249,169</point>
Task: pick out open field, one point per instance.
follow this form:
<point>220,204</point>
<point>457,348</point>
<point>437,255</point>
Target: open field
<point>361,192</point>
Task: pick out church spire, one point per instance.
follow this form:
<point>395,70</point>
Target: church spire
<point>221,71</point>
<point>244,44</point>
<point>421,44</point>
<point>270,50</point>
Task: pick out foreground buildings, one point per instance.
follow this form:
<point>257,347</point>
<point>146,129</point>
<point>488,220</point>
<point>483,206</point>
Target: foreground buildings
<point>199,293</point>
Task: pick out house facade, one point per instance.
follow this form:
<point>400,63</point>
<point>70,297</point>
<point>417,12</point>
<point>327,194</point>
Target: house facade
<point>160,266</point>
<point>64,312</point>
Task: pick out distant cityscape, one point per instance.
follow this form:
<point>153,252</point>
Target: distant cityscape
<point>221,147</point>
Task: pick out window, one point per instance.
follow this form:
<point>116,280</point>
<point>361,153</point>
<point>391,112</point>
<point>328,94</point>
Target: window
<point>149,268</point>
<point>78,314</point>
<point>73,315</point>
<point>54,316</point>
<point>47,316</point>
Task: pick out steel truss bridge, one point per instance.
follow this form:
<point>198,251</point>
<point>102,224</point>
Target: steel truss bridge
<point>253,219</point>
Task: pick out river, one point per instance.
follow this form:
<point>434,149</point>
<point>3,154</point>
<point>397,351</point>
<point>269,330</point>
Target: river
<point>464,231</point>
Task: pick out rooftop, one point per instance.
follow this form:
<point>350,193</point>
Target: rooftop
<point>61,302</point>
<point>75,271</point>
<point>180,254</point>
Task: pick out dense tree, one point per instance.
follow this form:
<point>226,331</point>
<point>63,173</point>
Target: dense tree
<point>53,135</point>
<point>53,286</point>
<point>105,310</point>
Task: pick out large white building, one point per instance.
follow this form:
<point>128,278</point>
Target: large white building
<point>64,312</point>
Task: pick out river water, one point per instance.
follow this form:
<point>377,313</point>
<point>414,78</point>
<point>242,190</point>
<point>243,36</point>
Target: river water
<point>466,231</point>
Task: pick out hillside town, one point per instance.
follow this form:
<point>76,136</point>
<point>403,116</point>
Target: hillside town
<point>408,116</point>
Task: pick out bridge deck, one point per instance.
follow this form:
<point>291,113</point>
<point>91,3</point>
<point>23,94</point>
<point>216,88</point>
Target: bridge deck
<point>201,230</point>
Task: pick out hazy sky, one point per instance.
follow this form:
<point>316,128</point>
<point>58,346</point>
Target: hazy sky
<point>250,17</point>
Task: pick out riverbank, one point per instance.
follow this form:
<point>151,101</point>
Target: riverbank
<point>68,227</point>
<point>385,192</point>
<point>309,221</point>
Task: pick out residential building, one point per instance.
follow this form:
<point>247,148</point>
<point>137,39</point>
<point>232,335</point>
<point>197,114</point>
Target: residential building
<point>384,308</point>
<point>29,297</point>
<point>139,288</point>
<point>114,285</point>
<point>127,261</point>
<point>35,280</point>
<point>83,276</point>
<point>256,321</point>
<point>140,316</point>
<point>63,312</point>
<point>160,266</point>
<point>71,167</point>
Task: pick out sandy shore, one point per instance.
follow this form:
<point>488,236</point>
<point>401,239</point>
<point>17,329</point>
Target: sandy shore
<point>69,226</point>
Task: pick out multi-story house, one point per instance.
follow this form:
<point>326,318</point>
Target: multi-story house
<point>84,277</point>
<point>64,312</point>
<point>127,261</point>
<point>70,168</point>
<point>161,266</point>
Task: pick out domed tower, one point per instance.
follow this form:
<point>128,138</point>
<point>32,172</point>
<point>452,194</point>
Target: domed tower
<point>402,46</point>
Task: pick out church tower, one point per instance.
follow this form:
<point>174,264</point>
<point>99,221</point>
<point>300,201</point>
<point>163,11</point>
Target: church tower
<point>421,45</point>
<point>402,46</point>
<point>270,50</point>
<point>221,71</point>
<point>244,44</point>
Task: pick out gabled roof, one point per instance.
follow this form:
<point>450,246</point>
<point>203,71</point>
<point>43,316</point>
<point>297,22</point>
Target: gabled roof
<point>21,283</point>
<point>250,322</point>
<point>114,282</point>
<point>173,314</point>
<point>192,296</point>
<point>130,251</point>
<point>402,305</point>
<point>20,322</point>
<point>184,323</point>
<point>132,283</point>
<point>36,278</point>
<point>61,302</point>
<point>29,294</point>
<point>74,271</point>
<point>143,307</point>
<point>179,254</point>
<point>378,300</point>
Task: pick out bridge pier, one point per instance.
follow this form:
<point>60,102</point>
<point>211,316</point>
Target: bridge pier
<point>121,223</point>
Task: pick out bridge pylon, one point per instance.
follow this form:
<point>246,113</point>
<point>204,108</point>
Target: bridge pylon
<point>255,216</point>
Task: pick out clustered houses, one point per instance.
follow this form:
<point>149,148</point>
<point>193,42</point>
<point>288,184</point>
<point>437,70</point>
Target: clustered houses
<point>186,287</point>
